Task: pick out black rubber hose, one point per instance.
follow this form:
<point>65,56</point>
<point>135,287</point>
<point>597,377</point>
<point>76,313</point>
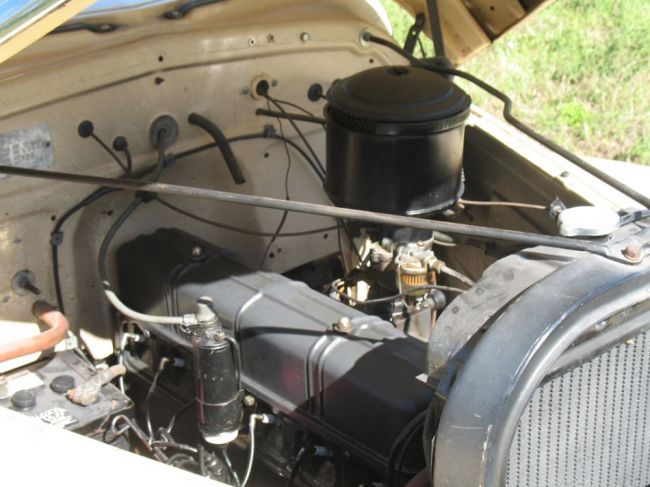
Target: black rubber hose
<point>57,237</point>
<point>221,141</point>
<point>512,120</point>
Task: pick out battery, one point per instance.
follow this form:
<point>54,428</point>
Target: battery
<point>39,390</point>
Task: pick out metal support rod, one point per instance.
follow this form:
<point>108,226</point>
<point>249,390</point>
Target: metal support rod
<point>475,231</point>
<point>436,27</point>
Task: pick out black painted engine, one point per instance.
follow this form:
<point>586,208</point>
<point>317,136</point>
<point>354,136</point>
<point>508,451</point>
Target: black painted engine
<point>350,378</point>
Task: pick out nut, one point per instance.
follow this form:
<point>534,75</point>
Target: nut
<point>249,401</point>
<point>344,325</point>
<point>197,253</point>
<point>632,252</point>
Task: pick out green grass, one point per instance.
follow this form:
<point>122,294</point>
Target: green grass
<point>579,72</point>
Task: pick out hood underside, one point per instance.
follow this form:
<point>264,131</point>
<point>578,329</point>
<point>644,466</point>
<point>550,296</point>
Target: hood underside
<point>468,26</point>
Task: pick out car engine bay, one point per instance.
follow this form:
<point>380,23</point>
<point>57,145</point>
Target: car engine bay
<point>297,255</point>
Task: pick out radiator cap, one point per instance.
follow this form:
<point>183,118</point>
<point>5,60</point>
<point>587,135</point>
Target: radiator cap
<point>587,221</point>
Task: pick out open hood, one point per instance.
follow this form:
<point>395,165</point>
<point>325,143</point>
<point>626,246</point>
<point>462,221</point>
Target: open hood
<point>24,22</point>
<point>468,26</point>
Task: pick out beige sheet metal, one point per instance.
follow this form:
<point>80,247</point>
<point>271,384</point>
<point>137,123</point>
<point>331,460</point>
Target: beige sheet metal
<point>122,81</point>
<point>469,26</point>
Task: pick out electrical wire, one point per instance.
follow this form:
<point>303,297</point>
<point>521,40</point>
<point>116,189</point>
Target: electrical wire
<point>110,152</point>
<point>180,456</point>
<point>298,117</point>
<point>56,238</point>
<point>388,299</point>
<point>428,432</point>
<point>129,160</point>
<point>511,204</point>
<point>299,108</point>
<point>103,252</point>
<point>231,470</point>
<point>299,132</point>
<point>399,465</point>
<point>341,254</point>
<point>286,194</point>
<point>146,441</point>
<point>401,444</point>
<point>474,231</point>
<point>239,229</point>
<point>296,466</point>
<point>152,389</point>
<point>175,446</point>
<point>341,223</point>
<point>511,119</point>
<point>172,422</point>
<point>422,50</point>
<point>57,233</point>
<point>260,135</point>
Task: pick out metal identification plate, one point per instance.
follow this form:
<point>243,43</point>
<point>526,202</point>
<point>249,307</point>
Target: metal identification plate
<point>31,147</point>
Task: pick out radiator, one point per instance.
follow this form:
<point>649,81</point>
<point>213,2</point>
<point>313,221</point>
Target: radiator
<point>589,426</point>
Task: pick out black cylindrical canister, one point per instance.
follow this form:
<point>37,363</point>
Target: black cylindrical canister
<point>395,141</point>
<point>218,396</point>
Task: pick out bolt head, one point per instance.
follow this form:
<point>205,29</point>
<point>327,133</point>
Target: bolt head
<point>632,252</point>
<point>249,401</point>
<point>304,36</point>
<point>197,252</point>
<point>344,325</point>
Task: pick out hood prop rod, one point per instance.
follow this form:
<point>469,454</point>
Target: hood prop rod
<point>462,229</point>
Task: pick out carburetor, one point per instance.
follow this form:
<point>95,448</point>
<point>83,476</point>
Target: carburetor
<point>416,266</point>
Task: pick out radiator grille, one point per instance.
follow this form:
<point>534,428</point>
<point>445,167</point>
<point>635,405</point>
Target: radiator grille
<point>589,426</point>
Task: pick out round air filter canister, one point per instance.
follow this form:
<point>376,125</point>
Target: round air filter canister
<point>395,141</point>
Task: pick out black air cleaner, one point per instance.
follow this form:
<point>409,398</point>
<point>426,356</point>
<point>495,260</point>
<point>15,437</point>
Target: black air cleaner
<point>395,141</point>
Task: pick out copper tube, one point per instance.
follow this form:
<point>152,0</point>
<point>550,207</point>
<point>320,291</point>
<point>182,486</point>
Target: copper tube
<point>58,329</point>
<point>511,204</point>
